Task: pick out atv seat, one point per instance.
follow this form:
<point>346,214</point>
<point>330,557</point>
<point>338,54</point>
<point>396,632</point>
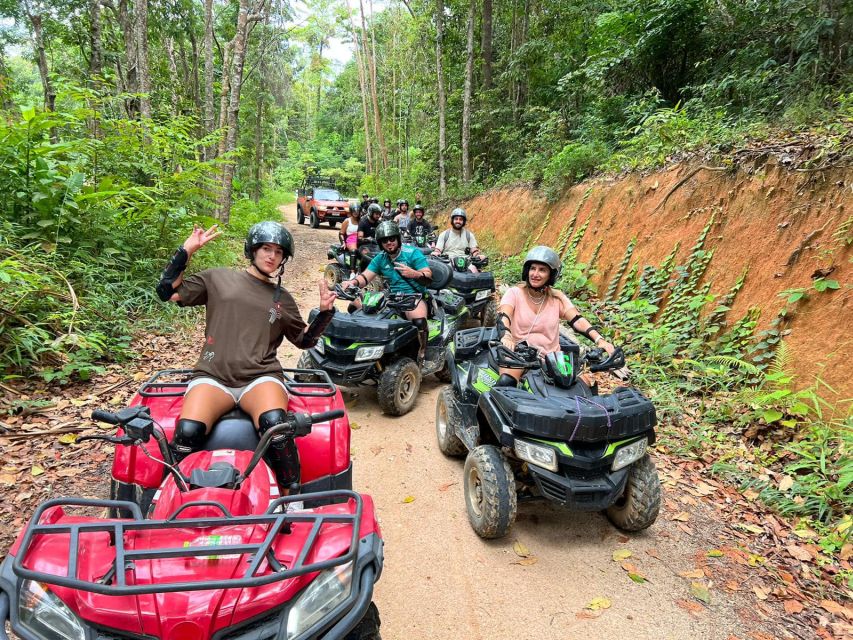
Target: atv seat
<point>234,430</point>
<point>467,282</point>
<point>442,274</point>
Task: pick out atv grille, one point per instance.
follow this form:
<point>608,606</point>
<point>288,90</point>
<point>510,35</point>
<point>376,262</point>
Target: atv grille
<point>112,634</point>
<point>263,628</point>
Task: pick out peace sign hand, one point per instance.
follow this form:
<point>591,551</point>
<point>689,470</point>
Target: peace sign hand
<point>199,237</point>
<point>327,297</point>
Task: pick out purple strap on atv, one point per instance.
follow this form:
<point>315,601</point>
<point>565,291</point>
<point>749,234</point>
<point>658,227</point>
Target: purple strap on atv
<point>594,403</point>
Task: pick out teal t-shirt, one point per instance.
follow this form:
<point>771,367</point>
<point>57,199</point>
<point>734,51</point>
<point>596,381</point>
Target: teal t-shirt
<point>383,265</point>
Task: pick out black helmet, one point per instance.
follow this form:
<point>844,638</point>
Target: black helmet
<point>374,208</point>
<point>387,229</point>
<point>365,196</point>
<point>387,201</point>
<point>374,200</point>
<point>459,212</point>
<point>354,208</point>
<point>419,207</point>
<point>268,232</point>
<point>546,256</point>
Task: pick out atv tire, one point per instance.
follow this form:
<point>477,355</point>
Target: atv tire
<point>306,362</point>
<point>490,496</point>
<point>315,221</point>
<point>300,216</point>
<point>637,508</point>
<point>489,316</point>
<point>333,275</point>
<point>332,224</point>
<point>398,387</point>
<point>444,374</point>
<point>368,628</point>
<point>446,416</point>
<point>130,493</point>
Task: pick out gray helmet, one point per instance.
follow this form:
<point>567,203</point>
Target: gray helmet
<point>354,208</point>
<point>268,232</point>
<point>544,255</point>
<point>374,208</point>
<point>460,213</point>
<point>419,207</point>
<point>386,229</point>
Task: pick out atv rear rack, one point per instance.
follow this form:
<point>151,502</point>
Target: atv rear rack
<point>174,382</point>
<point>114,582</point>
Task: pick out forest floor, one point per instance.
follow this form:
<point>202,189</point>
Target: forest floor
<point>714,566</point>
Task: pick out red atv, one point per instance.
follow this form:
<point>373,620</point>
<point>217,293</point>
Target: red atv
<point>318,200</point>
<point>208,548</point>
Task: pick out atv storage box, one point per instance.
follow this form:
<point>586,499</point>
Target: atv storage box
<point>362,328</point>
<point>467,282</point>
<point>622,414</point>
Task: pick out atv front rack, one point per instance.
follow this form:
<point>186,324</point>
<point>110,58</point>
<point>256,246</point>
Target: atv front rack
<point>174,382</point>
<point>114,582</point>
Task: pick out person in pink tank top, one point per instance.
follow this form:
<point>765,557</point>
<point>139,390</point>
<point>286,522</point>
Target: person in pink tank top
<point>532,310</point>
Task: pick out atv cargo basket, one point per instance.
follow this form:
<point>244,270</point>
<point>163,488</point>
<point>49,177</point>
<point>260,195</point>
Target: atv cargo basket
<point>174,382</point>
<point>259,555</point>
<point>468,342</point>
<point>624,413</point>
<point>362,328</point>
<point>467,282</point>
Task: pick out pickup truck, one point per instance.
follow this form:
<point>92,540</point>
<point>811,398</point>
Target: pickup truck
<point>319,201</point>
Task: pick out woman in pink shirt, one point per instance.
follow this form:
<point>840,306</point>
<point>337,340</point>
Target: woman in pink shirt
<point>531,311</point>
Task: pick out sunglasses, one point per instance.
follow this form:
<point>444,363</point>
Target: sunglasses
<point>387,240</point>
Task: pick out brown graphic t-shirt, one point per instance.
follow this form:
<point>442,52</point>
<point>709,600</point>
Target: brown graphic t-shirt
<point>244,327</point>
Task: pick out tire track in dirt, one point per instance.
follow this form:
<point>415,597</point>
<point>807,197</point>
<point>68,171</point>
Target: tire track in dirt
<point>441,581</point>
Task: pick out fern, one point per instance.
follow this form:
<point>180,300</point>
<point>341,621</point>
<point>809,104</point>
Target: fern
<point>781,361</point>
<point>735,363</point>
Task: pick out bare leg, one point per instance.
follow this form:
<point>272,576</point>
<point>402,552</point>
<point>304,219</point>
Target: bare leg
<point>263,397</point>
<point>515,373</point>
<point>206,404</point>
<point>267,403</point>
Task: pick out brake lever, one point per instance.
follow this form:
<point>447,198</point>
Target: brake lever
<point>113,439</point>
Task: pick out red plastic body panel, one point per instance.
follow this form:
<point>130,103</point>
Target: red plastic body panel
<point>325,451</point>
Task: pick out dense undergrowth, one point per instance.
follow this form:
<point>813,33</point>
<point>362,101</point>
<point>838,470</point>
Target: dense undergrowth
<point>86,224</point>
<point>724,394</point>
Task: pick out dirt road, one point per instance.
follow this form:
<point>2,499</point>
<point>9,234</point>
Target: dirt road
<point>442,582</point>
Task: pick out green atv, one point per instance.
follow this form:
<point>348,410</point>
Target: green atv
<point>550,437</point>
<point>378,345</point>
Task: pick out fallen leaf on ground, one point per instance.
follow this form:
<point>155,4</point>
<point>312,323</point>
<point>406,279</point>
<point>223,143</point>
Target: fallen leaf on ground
<point>446,486</point>
<point>715,553</point>
<point>520,550</point>
<point>36,470</point>
<point>636,577</point>
<point>526,562</point>
<point>752,528</point>
<point>800,553</point>
<point>696,573</point>
<point>621,554</point>
<point>682,516</point>
<point>760,592</point>
<point>598,603</point>
<point>786,483</point>
<point>837,609</point>
<point>376,450</point>
<point>7,478</point>
<point>68,438</point>
<point>408,499</point>
<point>693,608</point>
<point>700,591</point>
<point>653,553</point>
<point>588,615</point>
<point>793,606</point>
<point>354,426</point>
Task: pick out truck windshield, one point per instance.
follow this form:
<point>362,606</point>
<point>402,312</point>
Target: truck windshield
<point>327,194</point>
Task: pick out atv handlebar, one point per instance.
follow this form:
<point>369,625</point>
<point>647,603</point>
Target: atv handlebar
<point>598,359</point>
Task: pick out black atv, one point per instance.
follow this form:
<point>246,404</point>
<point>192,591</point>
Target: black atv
<point>424,243</point>
<point>378,345</point>
<point>345,264</point>
<point>551,437</point>
<point>478,289</point>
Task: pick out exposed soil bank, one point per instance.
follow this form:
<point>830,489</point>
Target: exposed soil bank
<point>779,225</point>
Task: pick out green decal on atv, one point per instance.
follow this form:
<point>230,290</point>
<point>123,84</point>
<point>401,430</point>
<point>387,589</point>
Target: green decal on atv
<point>372,298</point>
<point>486,379</point>
<point>434,328</point>
<point>611,448</point>
<point>356,345</point>
<point>564,364</point>
<point>562,447</point>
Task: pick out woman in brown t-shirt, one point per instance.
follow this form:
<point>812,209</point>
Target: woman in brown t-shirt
<point>247,317</point>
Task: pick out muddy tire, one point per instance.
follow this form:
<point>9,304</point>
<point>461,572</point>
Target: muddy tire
<point>368,628</point>
<point>131,493</point>
<point>489,315</point>
<point>444,374</point>
<point>446,416</point>
<point>490,496</point>
<point>332,224</point>
<point>398,387</point>
<point>306,362</point>
<point>637,508</point>
<point>300,216</point>
<point>315,221</point>
<point>333,274</point>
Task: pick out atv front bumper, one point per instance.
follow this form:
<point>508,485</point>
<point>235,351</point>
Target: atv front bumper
<point>345,374</point>
<point>580,492</point>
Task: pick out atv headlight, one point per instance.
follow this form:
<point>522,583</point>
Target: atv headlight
<point>629,453</point>
<point>321,346</point>
<point>482,295</point>
<point>44,615</point>
<point>369,353</point>
<point>540,455</point>
<point>329,589</point>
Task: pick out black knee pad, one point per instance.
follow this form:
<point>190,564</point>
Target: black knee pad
<point>420,324</point>
<point>268,419</point>
<point>506,380</point>
<point>189,435</point>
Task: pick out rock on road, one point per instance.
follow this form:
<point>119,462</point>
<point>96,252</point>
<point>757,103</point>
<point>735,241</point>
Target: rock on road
<point>442,582</point>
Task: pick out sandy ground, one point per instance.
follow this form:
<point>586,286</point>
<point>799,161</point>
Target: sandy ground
<point>441,581</point>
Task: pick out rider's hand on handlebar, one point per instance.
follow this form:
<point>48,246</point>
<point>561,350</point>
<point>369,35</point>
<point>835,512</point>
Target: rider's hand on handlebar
<point>609,348</point>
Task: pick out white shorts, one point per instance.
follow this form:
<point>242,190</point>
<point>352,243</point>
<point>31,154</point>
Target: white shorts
<point>236,392</point>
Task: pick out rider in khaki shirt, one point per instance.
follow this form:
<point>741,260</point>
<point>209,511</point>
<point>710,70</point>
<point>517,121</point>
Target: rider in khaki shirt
<point>457,240</point>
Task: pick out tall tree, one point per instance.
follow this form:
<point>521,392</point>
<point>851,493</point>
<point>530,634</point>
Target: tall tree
<point>362,82</point>
<point>486,44</point>
<point>439,70</point>
<point>466,97</point>
<point>371,70</point>
<point>96,50</point>
<point>143,68</point>
<point>35,13</point>
<point>208,113</point>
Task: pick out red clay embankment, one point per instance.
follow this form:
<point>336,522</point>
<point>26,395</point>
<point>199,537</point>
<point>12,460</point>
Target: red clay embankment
<point>782,225</point>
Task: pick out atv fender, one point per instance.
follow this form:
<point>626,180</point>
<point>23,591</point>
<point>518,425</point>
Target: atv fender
<point>497,421</point>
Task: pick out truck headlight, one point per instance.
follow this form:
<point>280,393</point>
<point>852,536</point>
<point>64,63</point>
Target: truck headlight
<point>321,346</point>
<point>329,589</point>
<point>44,615</point>
<point>540,455</point>
<point>369,353</point>
<point>482,295</point>
<point>629,453</point>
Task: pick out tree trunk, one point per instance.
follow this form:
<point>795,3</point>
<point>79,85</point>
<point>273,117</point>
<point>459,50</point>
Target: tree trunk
<point>142,58</point>
<point>96,56</point>
<point>131,83</point>
<point>487,45</point>
<point>362,81</point>
<point>5,94</point>
<point>239,59</point>
<point>319,74</point>
<point>224,93</point>
<point>371,69</point>
<point>466,97</point>
<point>439,69</point>
<point>207,112</point>
<point>41,59</point>
<point>169,46</point>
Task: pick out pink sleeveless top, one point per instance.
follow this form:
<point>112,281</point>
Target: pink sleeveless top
<point>540,330</point>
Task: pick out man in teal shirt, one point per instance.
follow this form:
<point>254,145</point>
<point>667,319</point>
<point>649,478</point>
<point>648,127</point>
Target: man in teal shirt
<point>405,269</point>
